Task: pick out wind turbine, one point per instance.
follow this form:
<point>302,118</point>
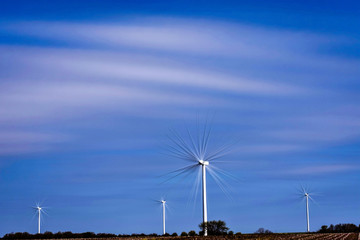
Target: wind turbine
<point>306,195</point>
<point>163,203</point>
<point>195,150</point>
<point>39,210</point>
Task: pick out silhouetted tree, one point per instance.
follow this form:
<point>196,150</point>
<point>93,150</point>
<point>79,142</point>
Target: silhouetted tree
<point>263,231</point>
<point>323,229</point>
<point>339,228</point>
<point>192,233</point>
<point>214,228</point>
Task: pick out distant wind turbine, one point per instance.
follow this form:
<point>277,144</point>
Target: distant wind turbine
<point>163,203</point>
<point>39,210</point>
<point>195,150</point>
<point>306,195</point>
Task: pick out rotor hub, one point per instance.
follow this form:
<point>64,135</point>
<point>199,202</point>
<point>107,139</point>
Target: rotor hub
<point>203,163</point>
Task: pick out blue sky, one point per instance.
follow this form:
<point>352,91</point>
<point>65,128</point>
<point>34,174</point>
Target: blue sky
<point>90,89</point>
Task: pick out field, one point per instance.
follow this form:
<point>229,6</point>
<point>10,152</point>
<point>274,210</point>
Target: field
<point>303,236</point>
<point>279,236</point>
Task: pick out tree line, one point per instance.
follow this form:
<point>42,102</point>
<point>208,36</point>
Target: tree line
<point>215,228</point>
<point>58,235</point>
<point>339,228</point>
<point>68,234</point>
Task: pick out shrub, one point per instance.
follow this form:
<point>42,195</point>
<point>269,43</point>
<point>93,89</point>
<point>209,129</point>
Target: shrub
<point>192,233</point>
<point>214,227</point>
<point>263,231</point>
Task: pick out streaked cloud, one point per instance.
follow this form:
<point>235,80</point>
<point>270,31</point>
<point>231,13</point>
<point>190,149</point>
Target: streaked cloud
<point>147,66</point>
<point>323,169</point>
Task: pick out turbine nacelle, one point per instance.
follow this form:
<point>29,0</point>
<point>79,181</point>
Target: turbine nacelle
<point>163,201</point>
<point>203,163</point>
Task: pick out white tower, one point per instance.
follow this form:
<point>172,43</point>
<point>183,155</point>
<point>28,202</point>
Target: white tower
<point>307,212</point>
<point>39,215</point>
<point>203,165</point>
<point>163,202</point>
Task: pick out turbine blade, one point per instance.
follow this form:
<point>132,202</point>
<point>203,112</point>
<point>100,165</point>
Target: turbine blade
<point>193,143</point>
<point>311,199</point>
<point>181,171</point>
<point>202,140</point>
<point>222,185</point>
<point>195,189</point>
<point>300,196</point>
<point>168,210</point>
<point>34,215</point>
<point>43,211</point>
<point>207,137</point>
<point>181,144</point>
<point>219,152</point>
<point>173,152</point>
<point>184,176</point>
<point>225,173</point>
<point>303,189</point>
<point>156,201</point>
<point>315,194</point>
<point>180,149</point>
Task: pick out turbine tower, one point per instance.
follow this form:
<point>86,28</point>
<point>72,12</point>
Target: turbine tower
<point>163,202</point>
<point>39,210</point>
<point>305,194</point>
<point>307,212</point>
<point>195,150</point>
<point>203,168</point>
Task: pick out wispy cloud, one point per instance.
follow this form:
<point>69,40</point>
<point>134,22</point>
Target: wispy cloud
<point>124,67</point>
<point>16,136</point>
<point>191,36</point>
<point>152,67</point>
<point>51,100</point>
<point>14,142</point>
<point>271,148</point>
<point>323,169</point>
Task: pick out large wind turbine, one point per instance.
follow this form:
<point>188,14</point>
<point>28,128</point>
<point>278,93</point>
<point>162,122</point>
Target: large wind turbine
<point>195,150</point>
